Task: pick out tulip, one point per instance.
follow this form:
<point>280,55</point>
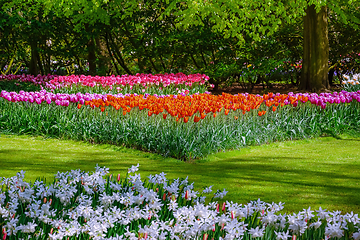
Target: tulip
<point>187,194</point>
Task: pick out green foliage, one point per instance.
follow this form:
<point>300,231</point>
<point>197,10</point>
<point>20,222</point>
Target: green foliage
<point>126,37</point>
<point>236,18</point>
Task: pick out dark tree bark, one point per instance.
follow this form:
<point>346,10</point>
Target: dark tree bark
<point>39,62</point>
<point>33,68</point>
<point>118,55</point>
<point>111,54</point>
<point>92,57</point>
<point>331,76</point>
<point>316,51</point>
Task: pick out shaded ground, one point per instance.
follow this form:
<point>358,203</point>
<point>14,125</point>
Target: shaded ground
<point>263,89</point>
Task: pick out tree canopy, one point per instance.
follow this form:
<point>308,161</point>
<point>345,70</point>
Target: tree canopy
<point>225,39</point>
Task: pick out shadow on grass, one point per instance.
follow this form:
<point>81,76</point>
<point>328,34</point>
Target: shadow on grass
<point>335,182</point>
<point>299,177</point>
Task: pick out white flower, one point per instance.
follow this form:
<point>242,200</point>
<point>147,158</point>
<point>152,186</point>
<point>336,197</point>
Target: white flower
<point>322,213</point>
<point>333,230</point>
<point>353,218</point>
<point>106,200</point>
<point>3,212</point>
<point>221,195</point>
<point>282,235</point>
<point>135,178</point>
<point>160,179</point>
<point>316,224</point>
<point>200,200</point>
<point>308,213</point>
<point>28,228</point>
<point>256,232</point>
<point>130,235</point>
<point>172,188</point>
<point>270,218</point>
<point>356,235</point>
<point>185,181</point>
<point>2,196</point>
<point>207,190</point>
<point>173,205</point>
<point>133,169</point>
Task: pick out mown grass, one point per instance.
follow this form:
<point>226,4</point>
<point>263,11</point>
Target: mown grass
<point>315,172</point>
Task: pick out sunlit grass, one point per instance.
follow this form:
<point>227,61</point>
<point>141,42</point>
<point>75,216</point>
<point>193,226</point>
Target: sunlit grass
<point>317,172</point>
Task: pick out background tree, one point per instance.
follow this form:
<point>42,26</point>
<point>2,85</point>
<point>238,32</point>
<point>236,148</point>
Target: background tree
<point>247,42</point>
<point>259,19</point>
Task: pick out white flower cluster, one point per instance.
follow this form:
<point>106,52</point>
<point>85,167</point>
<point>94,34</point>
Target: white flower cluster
<point>96,206</point>
<point>353,80</point>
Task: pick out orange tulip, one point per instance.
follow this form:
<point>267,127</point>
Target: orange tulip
<point>261,113</point>
<point>203,115</point>
<point>186,119</point>
<point>196,118</point>
<point>79,106</point>
<point>187,106</point>
<point>236,117</point>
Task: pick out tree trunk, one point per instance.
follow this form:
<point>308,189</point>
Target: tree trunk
<point>118,56</point>
<point>33,61</point>
<point>39,63</point>
<point>92,57</point>
<point>111,54</point>
<point>316,51</point>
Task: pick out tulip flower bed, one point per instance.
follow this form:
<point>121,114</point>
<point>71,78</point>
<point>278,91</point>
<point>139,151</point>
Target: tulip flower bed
<point>351,83</point>
<point>180,126</point>
<point>140,83</point>
<point>81,205</point>
<point>25,82</point>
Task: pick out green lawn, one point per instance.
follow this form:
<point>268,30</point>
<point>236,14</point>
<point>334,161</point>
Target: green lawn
<point>317,172</point>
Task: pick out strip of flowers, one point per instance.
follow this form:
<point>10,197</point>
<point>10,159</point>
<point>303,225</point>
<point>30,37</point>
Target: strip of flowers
<point>184,106</point>
<point>139,83</point>
<point>82,205</point>
<point>199,105</point>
